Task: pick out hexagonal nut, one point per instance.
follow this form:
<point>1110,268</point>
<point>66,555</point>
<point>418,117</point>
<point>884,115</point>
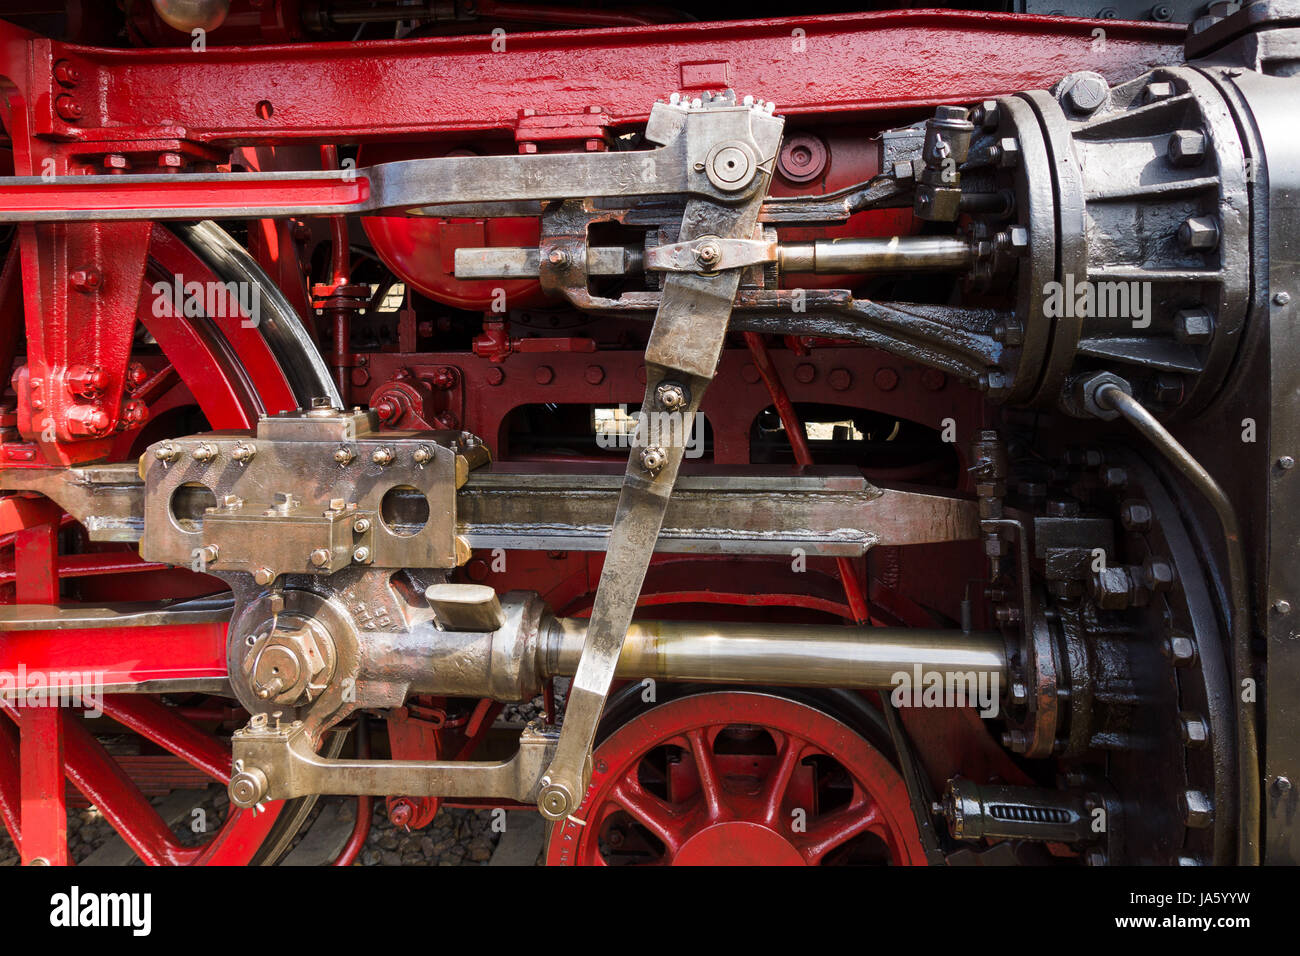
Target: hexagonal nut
<point>1167,389</point>
<point>1199,234</point>
<point>1186,147</point>
<point>1158,574</point>
<point>1113,476</point>
<point>1085,389</point>
<point>1180,649</point>
<point>1135,515</point>
<point>653,459</point>
<point>1112,588</point>
<point>1008,152</point>
<point>1197,809</point>
<point>937,203</point>
<point>1193,326</point>
<point>1195,729</point>
<point>671,396</point>
<point>988,114</point>
<point>289,662</point>
<point>1160,90</point>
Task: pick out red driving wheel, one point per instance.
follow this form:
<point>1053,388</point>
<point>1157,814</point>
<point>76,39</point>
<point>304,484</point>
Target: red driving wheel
<point>738,778</point>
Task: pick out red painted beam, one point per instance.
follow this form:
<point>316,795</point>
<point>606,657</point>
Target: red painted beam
<point>326,92</point>
<point>44,814</point>
<point>123,196</point>
<point>17,514</point>
<point>117,655</point>
<point>36,556</point>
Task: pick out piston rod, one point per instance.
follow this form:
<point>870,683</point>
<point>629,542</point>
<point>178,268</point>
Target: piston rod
<point>866,658</point>
<point>876,254</point>
<point>531,646</point>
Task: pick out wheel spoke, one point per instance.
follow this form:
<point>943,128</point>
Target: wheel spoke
<point>97,775</point>
<point>778,782</point>
<point>9,782</point>
<point>707,771</point>
<point>837,828</point>
<point>163,726</point>
<point>652,813</point>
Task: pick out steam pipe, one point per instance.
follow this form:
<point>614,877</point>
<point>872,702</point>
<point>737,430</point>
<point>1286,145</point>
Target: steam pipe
<point>1109,396</point>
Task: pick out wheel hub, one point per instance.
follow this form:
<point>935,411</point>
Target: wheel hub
<point>738,843</point>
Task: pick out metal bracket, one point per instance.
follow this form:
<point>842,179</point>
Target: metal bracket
<point>275,761</point>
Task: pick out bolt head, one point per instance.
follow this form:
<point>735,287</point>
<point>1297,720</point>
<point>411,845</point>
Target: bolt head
<point>361,555</point>
<point>263,575</point>
<point>708,254</point>
<point>1158,91</point>
<point>1282,606</point>
<point>671,396</point>
<point>361,525</point>
<point>653,459</point>
<point>383,456</point>
<point>1193,326</point>
<point>320,557</point>
<point>1198,810</point>
<point>1181,650</point>
<point>1087,93</point>
<point>1196,732</point>
<point>1008,152</point>
<point>1135,516</point>
<point>1186,147</point>
<point>1199,234</point>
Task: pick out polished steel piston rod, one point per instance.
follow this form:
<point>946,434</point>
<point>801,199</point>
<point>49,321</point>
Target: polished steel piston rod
<point>531,646</point>
<point>867,658</point>
<point>894,254</point>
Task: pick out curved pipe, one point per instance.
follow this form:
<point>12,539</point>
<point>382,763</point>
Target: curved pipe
<point>365,803</point>
<point>1110,396</point>
<point>280,325</point>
